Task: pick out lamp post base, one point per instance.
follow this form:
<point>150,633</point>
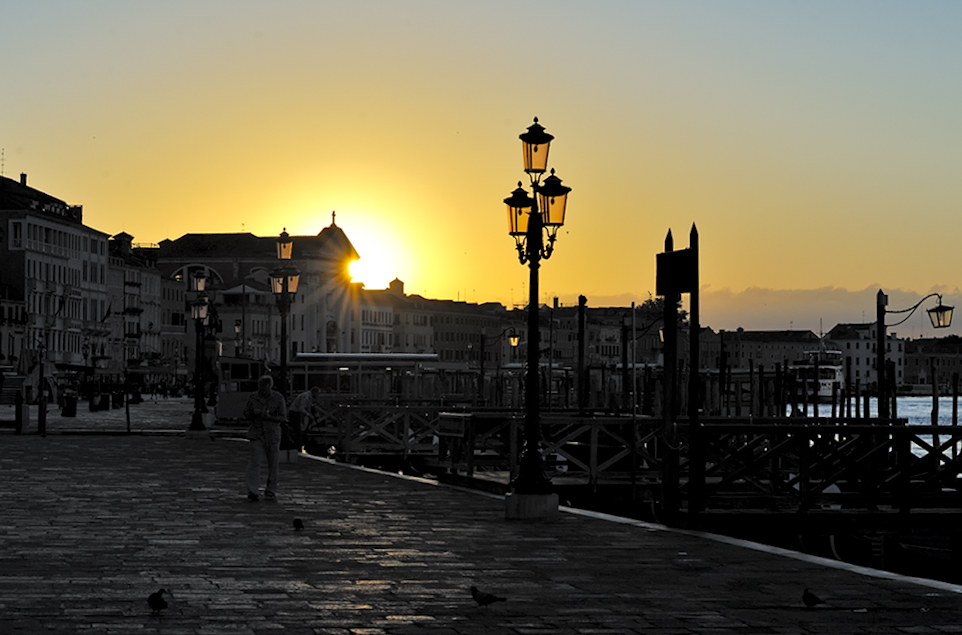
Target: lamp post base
<point>531,506</point>
<point>531,478</point>
<point>197,422</point>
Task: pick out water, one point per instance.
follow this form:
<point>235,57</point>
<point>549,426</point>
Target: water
<point>918,410</point>
<point>926,555</point>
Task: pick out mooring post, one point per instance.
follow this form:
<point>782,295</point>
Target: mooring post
<point>696,473</point>
<point>669,477</point>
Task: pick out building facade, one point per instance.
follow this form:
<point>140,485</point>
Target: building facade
<point>859,343</point>
<point>58,268</point>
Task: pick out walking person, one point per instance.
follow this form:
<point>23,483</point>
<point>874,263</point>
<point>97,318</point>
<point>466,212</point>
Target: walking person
<point>266,411</point>
<point>302,414</point>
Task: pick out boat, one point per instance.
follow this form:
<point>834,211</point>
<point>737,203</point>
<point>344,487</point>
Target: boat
<point>830,369</point>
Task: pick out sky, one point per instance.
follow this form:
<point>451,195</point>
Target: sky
<point>817,146</point>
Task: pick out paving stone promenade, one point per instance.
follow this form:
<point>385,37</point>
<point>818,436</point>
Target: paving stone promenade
<point>92,523</point>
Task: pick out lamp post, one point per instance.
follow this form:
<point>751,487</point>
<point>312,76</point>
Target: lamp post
<point>481,369</point>
<point>284,281</point>
<point>42,382</point>
<point>530,227</point>
<point>941,317</point>
<point>85,351</point>
<point>198,312</point>
<point>238,340</point>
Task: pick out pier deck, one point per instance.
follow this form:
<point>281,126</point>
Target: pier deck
<point>93,523</point>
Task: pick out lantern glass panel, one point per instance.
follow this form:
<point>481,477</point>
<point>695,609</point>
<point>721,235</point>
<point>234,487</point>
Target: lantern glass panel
<point>198,309</point>
<point>534,146</point>
<point>284,246</point>
<point>535,157</point>
<point>277,281</point>
<point>553,209</point>
<point>941,316</point>
<point>518,204</point>
<point>293,278</point>
<point>198,281</point>
<point>517,221</point>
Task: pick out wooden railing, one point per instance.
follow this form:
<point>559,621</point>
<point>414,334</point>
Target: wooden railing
<point>591,449</point>
<point>792,465</point>
<point>822,465</point>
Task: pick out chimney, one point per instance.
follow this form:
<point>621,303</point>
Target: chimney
<point>23,178</point>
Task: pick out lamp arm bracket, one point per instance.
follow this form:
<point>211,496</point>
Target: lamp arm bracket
<point>644,330</point>
<point>911,310</point>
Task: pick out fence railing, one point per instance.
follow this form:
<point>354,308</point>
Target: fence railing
<point>795,465</point>
<point>822,465</point>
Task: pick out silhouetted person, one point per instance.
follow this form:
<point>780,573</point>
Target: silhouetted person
<point>302,414</point>
<point>266,411</point>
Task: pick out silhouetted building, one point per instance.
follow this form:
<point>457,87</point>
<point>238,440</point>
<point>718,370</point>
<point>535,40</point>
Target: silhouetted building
<point>57,267</point>
<point>134,287</point>
<point>767,348</point>
<point>858,345</point>
<point>324,312</point>
<point>940,358</point>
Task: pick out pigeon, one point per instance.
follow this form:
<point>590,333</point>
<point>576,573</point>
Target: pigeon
<point>484,599</point>
<point>810,599</point>
<point>298,524</point>
<point>156,601</point>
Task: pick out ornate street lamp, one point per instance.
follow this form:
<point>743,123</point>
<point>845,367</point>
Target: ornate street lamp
<point>530,222</point>
<point>941,317</point>
<point>284,280</point>
<point>85,351</point>
<point>198,312</point>
<point>238,341</point>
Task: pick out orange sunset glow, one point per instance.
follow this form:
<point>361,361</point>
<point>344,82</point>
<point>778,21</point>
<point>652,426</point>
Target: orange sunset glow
<point>816,145</point>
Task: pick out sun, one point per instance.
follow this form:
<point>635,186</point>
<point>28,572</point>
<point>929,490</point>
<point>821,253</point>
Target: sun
<point>375,270</point>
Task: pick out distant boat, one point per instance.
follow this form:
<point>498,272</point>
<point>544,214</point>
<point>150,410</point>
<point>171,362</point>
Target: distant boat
<point>831,373</point>
<point>922,390</point>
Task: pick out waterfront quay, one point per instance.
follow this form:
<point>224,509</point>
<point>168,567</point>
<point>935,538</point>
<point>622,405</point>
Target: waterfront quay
<point>95,521</point>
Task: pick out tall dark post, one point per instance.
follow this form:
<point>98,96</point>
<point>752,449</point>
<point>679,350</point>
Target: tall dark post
<point>243,324</point>
<point>531,475</point>
<point>42,398</point>
<point>722,371</point>
<point>881,300</point>
<point>199,308</point>
<point>284,281</point>
<point>531,495</point>
<point>200,406</point>
<point>550,374</point>
<point>669,407</point>
<point>481,372</point>
<point>582,371</point>
<point>696,453</point>
<point>625,375</point>
<point>284,307</point>
<point>677,273</point>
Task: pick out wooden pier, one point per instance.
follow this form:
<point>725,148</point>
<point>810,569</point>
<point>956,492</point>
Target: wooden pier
<point>821,475</point>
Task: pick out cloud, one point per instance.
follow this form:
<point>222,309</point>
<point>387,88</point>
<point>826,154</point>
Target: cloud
<point>758,308</point>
